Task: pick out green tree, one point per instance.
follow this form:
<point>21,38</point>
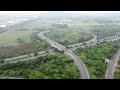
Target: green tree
<point>2,61</point>
<point>36,75</point>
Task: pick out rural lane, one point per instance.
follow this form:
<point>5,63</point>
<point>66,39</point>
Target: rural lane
<point>10,78</point>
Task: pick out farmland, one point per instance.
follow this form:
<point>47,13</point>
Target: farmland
<point>16,48</point>
<point>14,37</point>
<point>21,39</point>
<point>15,43</point>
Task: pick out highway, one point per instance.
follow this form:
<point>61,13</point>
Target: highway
<point>41,53</point>
<point>69,52</point>
<point>78,62</point>
<point>111,65</point>
<point>71,47</point>
<point>94,42</point>
<point>27,57</point>
<point>80,65</point>
<point>10,78</point>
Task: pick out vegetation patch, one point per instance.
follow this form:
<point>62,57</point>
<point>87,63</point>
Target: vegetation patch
<point>37,45</point>
<point>45,67</point>
<point>67,36</point>
<point>117,71</point>
<point>94,57</point>
<point>15,37</point>
<point>103,31</point>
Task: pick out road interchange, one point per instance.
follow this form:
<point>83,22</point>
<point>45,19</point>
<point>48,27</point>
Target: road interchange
<point>82,68</point>
<point>72,56</point>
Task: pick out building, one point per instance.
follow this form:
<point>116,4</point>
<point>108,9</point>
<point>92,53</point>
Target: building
<point>107,60</point>
<point>2,25</point>
<point>60,25</point>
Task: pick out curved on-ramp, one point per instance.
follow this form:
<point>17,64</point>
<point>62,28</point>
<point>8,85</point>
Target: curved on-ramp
<point>111,66</point>
<point>80,65</point>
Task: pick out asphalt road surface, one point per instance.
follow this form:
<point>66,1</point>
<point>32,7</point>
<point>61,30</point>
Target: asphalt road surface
<point>10,78</point>
<point>111,66</point>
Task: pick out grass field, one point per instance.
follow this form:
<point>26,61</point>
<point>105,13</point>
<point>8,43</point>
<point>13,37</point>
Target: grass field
<point>17,48</point>
<point>76,24</point>
<point>19,40</point>
<point>40,23</point>
<point>15,43</point>
<point>67,37</point>
<point>11,38</point>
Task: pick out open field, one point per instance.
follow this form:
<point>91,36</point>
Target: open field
<point>39,23</point>
<point>21,39</point>
<point>15,43</point>
<point>15,37</point>
<point>80,24</point>
<point>67,37</point>
<point>16,48</point>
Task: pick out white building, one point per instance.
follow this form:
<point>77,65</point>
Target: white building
<point>13,22</point>
<point>107,60</point>
<point>2,26</point>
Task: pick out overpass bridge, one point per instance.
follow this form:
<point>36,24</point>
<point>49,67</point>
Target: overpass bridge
<point>80,65</point>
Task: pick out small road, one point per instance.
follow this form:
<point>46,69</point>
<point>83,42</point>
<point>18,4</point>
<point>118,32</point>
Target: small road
<point>10,78</point>
<point>82,68</point>
<point>28,57</point>
<point>111,66</point>
<point>95,41</point>
<point>92,41</point>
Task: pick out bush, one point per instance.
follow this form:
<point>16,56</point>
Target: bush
<point>84,43</point>
<point>36,54</point>
<point>2,61</point>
